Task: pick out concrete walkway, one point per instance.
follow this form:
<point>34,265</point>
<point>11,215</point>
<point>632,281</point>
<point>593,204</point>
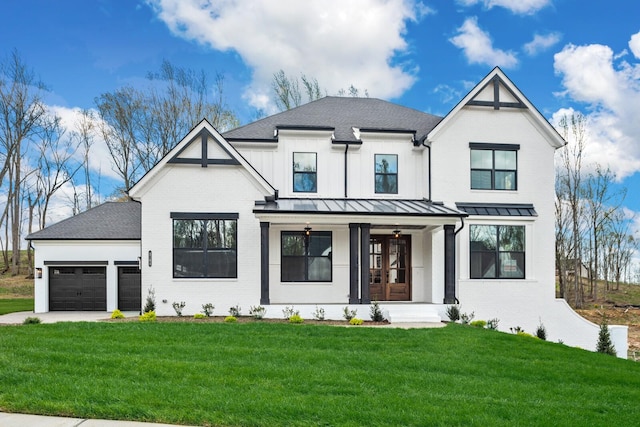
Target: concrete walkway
<point>59,316</point>
<point>22,420</point>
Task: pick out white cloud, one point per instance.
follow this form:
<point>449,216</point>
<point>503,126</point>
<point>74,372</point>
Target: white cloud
<point>541,43</point>
<point>519,7</point>
<point>610,89</point>
<point>337,42</point>
<point>478,47</point>
<point>634,45</point>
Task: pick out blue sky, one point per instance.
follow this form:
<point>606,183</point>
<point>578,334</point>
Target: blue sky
<point>565,55</point>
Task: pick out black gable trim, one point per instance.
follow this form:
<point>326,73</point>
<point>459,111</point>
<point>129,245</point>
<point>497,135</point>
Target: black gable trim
<point>492,146</point>
<point>204,215</point>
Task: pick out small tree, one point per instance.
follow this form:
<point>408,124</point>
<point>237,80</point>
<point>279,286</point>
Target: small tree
<point>604,340</point>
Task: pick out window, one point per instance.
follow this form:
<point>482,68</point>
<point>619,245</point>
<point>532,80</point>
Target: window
<point>204,245</point>
<point>494,166</point>
<point>305,175</point>
<point>306,258</point>
<point>497,251</point>
<point>386,173</point>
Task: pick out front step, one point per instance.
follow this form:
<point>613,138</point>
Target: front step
<point>411,314</point>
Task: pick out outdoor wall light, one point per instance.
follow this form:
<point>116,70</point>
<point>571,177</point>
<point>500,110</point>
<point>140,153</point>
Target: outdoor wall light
<point>396,233</point>
<point>149,258</point>
<point>307,230</point>
<point>38,273</point>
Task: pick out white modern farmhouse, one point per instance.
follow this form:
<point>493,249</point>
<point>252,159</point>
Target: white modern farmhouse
<point>342,201</point>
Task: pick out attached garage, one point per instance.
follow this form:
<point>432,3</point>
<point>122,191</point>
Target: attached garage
<point>89,262</point>
<point>77,288</point>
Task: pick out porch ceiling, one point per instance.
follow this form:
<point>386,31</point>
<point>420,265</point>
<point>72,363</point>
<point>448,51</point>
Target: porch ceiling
<point>415,213</point>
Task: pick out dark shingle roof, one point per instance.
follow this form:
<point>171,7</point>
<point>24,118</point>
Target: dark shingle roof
<point>109,221</point>
<point>342,114</point>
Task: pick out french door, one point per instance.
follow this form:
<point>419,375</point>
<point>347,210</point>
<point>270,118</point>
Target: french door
<point>390,268</point>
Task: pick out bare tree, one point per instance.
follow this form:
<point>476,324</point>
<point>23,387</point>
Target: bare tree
<point>83,135</point>
<point>570,190</point>
<point>140,126</point>
<point>21,113</point>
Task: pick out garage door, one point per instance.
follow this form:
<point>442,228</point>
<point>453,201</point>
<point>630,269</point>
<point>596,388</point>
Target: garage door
<point>77,289</point>
<point>129,292</point>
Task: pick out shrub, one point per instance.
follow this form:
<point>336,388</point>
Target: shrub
<point>478,323</point>
<point>199,316</point>
<point>235,311</point>
<point>524,334</point>
<point>604,340</point>
<point>467,318</point>
<point>493,324</point>
<point>148,316</point>
<point>257,312</point>
<point>150,304</point>
<point>117,314</point>
<point>178,306</point>
<point>453,312</point>
<point>516,330</point>
<point>207,309</point>
<point>541,332</point>
<point>376,312</point>
<point>319,313</point>
<point>31,321</point>
<point>288,312</point>
<point>296,319</point>
<point>230,319</point>
<point>348,314</point>
<point>356,321</point>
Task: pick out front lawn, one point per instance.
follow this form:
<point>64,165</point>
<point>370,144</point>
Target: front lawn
<point>17,304</point>
<point>266,374</point>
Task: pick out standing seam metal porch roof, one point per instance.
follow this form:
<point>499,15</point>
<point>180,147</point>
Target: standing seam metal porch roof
<point>382,207</point>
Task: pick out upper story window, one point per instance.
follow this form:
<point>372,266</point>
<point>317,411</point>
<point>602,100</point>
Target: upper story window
<point>497,251</point>
<point>205,245</point>
<point>305,175</point>
<point>306,257</point>
<point>494,166</point>
<point>386,167</point>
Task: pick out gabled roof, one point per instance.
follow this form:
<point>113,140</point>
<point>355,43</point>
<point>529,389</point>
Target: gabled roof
<point>496,91</point>
<point>109,221</point>
<point>202,146</point>
<point>340,114</point>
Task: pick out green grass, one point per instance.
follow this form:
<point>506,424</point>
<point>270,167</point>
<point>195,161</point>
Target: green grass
<point>265,374</point>
<point>13,305</point>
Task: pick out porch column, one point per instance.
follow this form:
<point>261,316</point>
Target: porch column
<point>264,263</point>
<point>353,263</point>
<point>365,235</point>
<point>449,265</point>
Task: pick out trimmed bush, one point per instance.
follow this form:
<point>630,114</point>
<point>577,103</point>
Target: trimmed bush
<point>207,309</point>
<point>355,321</point>
<point>319,313</point>
<point>493,324</point>
<point>541,332</point>
<point>376,312</point>
<point>348,314</point>
<point>478,323</point>
<point>296,319</point>
<point>604,340</point>
<point>257,312</point>
<point>31,321</point>
<point>230,319</point>
<point>149,316</point>
<point>178,306</point>
<point>199,316</point>
<point>235,311</point>
<point>453,312</point>
<point>117,314</point>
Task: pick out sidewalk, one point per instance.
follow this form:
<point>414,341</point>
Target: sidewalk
<point>59,316</point>
<point>21,420</point>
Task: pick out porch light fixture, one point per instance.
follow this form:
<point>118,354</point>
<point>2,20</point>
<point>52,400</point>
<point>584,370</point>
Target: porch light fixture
<point>307,230</point>
<point>396,233</point>
<point>38,273</point>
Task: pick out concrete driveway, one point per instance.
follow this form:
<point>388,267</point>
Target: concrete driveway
<point>59,316</point>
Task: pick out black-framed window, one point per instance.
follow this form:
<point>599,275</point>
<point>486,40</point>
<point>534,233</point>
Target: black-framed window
<point>497,251</point>
<point>205,246</point>
<point>494,166</point>
<point>386,173</point>
<point>306,257</point>
<point>305,172</point>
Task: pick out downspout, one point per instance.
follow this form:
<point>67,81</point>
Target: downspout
<point>346,148</point>
<point>429,161</point>
<point>455,233</point>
